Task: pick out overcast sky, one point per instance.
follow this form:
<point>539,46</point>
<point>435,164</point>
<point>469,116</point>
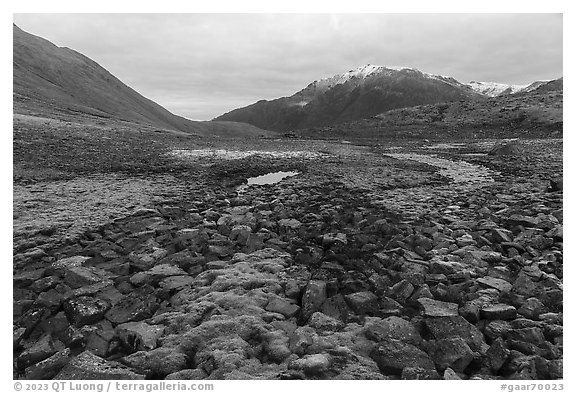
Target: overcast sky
<point>202,65</point>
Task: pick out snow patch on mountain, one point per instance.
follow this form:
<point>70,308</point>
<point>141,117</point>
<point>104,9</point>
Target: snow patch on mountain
<point>370,70</point>
<point>493,89</point>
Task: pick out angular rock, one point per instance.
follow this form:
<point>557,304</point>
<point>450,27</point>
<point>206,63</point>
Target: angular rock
<point>532,335</point>
<point>450,327</point>
<point>17,335</point>
<point>159,361</point>
<point>452,352</point>
<point>389,307</point>
<point>392,356</point>
<point>191,239</point>
<point>401,290</point>
<point>525,221</point>
<point>446,267</point>
<point>313,298</point>
<point>51,299</point>
<point>42,349</point>
<point>71,337</point>
<point>99,338</point>
<point>89,366</point>
<point>471,309</point>
<point>532,308</point>
<point>76,277</point>
<point>139,336</point>
<point>312,365</point>
<point>377,329</point>
<point>48,368</point>
<point>497,354</point>
<point>524,285</point>
<point>134,307</point>
<point>324,323</point>
<point>362,302</point>
<point>44,284</point>
<point>555,369</point>
<point>283,307</point>
<point>85,310</point>
<point>24,279</point>
<point>336,307</point>
<point>111,295</point>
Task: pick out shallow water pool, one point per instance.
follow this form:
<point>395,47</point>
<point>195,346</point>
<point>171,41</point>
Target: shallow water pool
<point>269,178</point>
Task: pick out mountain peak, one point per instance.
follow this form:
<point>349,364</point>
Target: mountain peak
<point>357,93</point>
<point>359,73</point>
<point>365,71</point>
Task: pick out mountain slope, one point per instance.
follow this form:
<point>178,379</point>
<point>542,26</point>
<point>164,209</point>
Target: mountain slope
<point>356,94</point>
<point>554,85</point>
<point>53,81</point>
<point>534,114</point>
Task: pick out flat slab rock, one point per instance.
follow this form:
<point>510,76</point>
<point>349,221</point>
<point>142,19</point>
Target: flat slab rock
<point>497,283</point>
<point>437,308</point>
<point>157,273</point>
<point>498,311</point>
<point>66,263</point>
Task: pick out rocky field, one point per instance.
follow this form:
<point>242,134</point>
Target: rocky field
<point>141,259</point>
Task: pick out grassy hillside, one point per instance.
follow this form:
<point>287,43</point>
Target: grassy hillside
<point>61,83</point>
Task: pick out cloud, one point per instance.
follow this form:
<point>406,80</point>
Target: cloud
<point>202,65</point>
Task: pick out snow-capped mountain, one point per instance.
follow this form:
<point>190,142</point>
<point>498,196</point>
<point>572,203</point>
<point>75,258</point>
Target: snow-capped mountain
<point>371,70</point>
<point>355,94</point>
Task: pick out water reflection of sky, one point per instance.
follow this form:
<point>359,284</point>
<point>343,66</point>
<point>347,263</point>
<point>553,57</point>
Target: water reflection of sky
<point>270,178</point>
